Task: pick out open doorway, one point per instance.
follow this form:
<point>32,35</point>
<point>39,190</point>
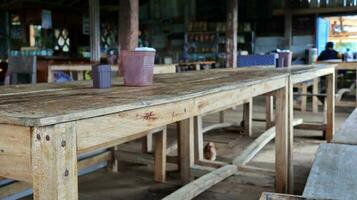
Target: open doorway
<point>341,30</point>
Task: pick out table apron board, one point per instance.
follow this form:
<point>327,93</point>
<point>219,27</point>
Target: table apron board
<point>307,76</point>
<point>18,143</point>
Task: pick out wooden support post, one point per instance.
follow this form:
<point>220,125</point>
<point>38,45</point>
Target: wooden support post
<point>186,149</point>
<point>128,24</point>
<point>304,97</point>
<point>232,32</point>
<point>200,185</point>
<point>247,117</point>
<point>287,25</point>
<point>330,107</point>
<point>315,91</point>
<point>113,163</point>
<point>269,111</point>
<point>282,141</point>
<point>198,139</point>
<point>54,162</point>
<point>160,155</point>
<point>147,145</point>
<point>94,22</point>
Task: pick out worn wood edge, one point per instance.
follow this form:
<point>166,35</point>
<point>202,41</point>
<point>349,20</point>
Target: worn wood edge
<point>15,187</point>
<point>240,177</point>
<point>203,183</point>
<point>258,144</point>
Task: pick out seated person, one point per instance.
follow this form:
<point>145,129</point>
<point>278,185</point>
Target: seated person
<point>329,53</point>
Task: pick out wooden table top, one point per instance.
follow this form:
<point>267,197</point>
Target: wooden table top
<point>46,104</point>
<point>333,174</point>
<point>347,134</point>
<point>341,65</point>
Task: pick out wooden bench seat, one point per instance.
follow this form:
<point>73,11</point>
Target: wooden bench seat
<point>347,134</point>
<point>333,174</point>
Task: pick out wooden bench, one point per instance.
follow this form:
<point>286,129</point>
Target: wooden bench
<point>333,174</point>
<point>347,134</point>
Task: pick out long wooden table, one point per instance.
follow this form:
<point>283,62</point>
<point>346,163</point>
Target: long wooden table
<point>349,66</point>
<point>44,127</point>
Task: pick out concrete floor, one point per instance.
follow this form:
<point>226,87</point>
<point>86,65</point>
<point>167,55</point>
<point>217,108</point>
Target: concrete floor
<point>136,182</point>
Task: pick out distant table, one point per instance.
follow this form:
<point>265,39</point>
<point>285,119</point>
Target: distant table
<point>45,126</point>
<point>350,66</point>
<point>333,173</point>
<point>80,69</point>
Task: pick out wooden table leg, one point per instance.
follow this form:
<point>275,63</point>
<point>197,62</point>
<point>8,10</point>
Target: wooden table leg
<point>186,149</point>
<point>160,155</point>
<point>198,137</point>
<point>113,165</point>
<point>330,107</point>
<point>303,97</point>
<point>315,100</point>
<point>282,142</point>
<point>54,162</point>
<point>269,111</point>
<point>248,117</point>
<point>80,75</point>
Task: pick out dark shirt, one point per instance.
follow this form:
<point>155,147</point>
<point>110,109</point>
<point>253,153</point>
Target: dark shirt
<point>328,54</point>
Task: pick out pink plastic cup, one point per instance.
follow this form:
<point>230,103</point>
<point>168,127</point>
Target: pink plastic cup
<point>137,67</point>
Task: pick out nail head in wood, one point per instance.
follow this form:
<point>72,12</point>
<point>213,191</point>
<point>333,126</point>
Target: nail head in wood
<point>66,173</point>
<point>38,137</point>
<point>48,138</point>
<point>63,143</point>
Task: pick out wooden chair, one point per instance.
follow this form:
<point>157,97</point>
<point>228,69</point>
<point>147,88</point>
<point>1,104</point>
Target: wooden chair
<point>21,70</point>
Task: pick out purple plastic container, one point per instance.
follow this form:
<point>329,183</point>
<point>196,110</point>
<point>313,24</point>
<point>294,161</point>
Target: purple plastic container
<point>102,76</point>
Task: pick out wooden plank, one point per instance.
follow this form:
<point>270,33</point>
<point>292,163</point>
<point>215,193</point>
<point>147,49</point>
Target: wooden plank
<point>247,117</point>
<point>54,162</point>
<point>282,143</point>
<point>203,183</point>
<point>137,123</point>
<point>269,111</point>
<point>347,133</point>
<point>13,188</point>
<point>239,177</point>
<point>303,98</point>
<point>160,155</point>
<point>332,173</point>
<point>232,32</point>
<point>311,126</point>
<point>276,196</point>
<point>16,187</point>
<point>15,152</point>
<point>255,147</point>
<point>330,109</point>
<point>186,149</point>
